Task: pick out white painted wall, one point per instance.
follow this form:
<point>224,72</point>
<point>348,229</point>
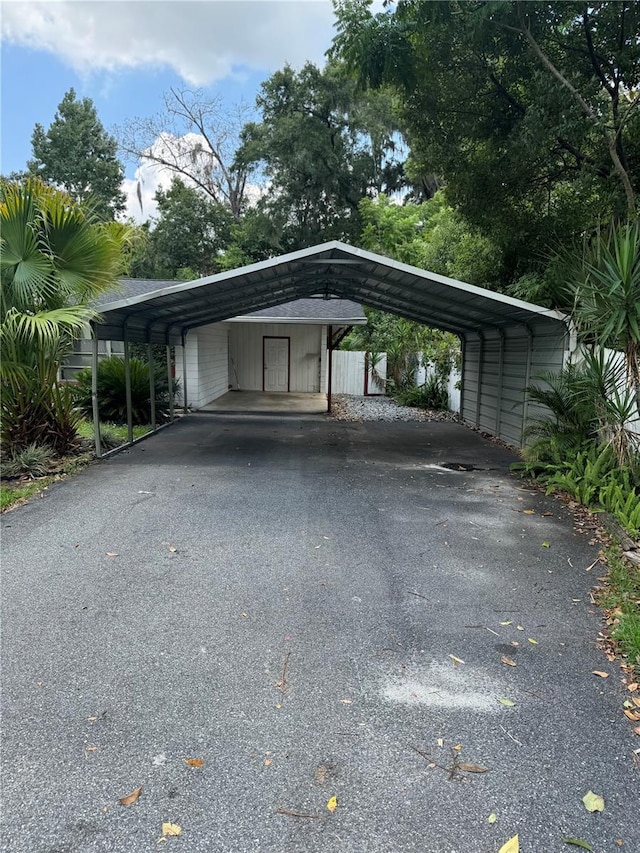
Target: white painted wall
<point>245,355</point>
<point>207,350</point>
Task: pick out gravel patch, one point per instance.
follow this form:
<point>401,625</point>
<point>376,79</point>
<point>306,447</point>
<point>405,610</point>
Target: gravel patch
<point>350,408</point>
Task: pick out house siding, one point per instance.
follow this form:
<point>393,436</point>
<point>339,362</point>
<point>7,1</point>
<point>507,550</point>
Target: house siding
<point>207,350</point>
<point>246,355</point>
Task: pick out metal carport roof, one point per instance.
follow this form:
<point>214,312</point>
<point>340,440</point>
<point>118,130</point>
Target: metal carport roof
<point>331,269</point>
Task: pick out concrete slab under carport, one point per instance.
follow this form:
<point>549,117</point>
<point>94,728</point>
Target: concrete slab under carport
<point>262,402</point>
<point>352,554</point>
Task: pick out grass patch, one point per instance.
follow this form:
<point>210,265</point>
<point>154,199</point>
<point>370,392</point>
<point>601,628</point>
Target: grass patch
<point>12,495</point>
<point>115,434</point>
<point>620,598</point>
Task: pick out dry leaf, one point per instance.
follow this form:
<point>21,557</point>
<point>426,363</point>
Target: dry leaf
<point>244,615</point>
<point>493,817</point>
<point>171,829</point>
<point>133,796</point>
<point>508,661</point>
<point>471,768</point>
<point>458,747</point>
<point>636,730</point>
<point>529,511</point>
<point>347,701</point>
<point>507,703</point>
<point>633,687</point>
<point>512,846</point>
<point>519,627</point>
<point>112,553</point>
<point>332,804</point>
<point>547,514</point>
<point>173,549</point>
<point>600,673</point>
<point>532,641</point>
<point>456,660</point>
<point>636,701</point>
<point>593,802</point>
<point>515,643</point>
<point>634,716</point>
<point>508,622</point>
<point>440,741</point>
<point>194,762</point>
<point>267,762</point>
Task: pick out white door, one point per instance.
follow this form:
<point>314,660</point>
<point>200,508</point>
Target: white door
<point>276,364</point>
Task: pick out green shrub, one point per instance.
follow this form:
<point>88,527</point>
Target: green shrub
<point>33,461</point>
<point>432,395</point>
<point>112,397</point>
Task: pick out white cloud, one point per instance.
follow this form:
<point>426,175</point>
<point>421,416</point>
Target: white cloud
<point>202,41</point>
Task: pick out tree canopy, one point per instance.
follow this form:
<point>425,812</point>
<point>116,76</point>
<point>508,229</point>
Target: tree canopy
<point>78,155</point>
<point>528,111</point>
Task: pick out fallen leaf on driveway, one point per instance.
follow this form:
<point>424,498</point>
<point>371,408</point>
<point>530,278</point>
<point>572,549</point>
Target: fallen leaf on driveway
<point>593,802</point>
<point>529,511</point>
<point>455,660</point>
<point>171,829</point>
<point>332,804</point>
<point>507,703</point>
<point>173,549</point>
<point>112,553</point>
<point>493,817</point>
<point>131,798</point>
<point>507,622</point>
<point>507,661</point>
<point>346,701</point>
<point>532,641</point>
<point>634,716</point>
<point>578,842</point>
<point>636,730</point>
<point>512,846</point>
<point>600,673</point>
<point>471,768</point>
<point>194,762</point>
<point>546,545</point>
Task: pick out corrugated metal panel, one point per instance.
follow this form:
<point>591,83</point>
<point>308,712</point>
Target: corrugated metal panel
<point>498,366</point>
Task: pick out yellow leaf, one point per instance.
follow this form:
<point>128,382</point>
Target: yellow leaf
<point>493,817</point>
<point>507,661</point>
<point>546,545</point>
<point>131,798</point>
<point>332,804</point>
<point>456,660</point>
<point>171,829</point>
<point>507,703</point>
<point>512,846</point>
<point>528,511</point>
<point>458,747</point>
<point>508,622</point>
<point>519,627</point>
<point>600,673</point>
<point>440,741</point>
<point>533,642</point>
<point>194,762</point>
<point>593,802</point>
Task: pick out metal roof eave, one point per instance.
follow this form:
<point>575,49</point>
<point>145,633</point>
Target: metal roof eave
<point>349,272</point>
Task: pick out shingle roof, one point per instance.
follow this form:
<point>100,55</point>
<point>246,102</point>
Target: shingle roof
<point>317,309</point>
<point>338,310</point>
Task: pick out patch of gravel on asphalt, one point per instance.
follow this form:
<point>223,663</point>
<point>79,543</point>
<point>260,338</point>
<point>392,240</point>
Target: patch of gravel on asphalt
<point>347,408</point>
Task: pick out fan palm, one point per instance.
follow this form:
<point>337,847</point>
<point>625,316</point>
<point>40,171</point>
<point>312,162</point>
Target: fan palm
<point>55,258</point>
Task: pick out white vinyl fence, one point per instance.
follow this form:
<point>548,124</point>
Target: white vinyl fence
<point>453,384</point>
<point>348,374</point>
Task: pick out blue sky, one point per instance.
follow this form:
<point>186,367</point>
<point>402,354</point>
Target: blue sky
<point>124,54</point>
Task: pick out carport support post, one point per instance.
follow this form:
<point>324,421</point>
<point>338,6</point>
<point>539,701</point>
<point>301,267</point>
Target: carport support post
<point>185,405</point>
<point>127,382</point>
<point>170,382</point>
<point>500,381</point>
<point>329,365</point>
<point>152,386</point>
<point>480,379</point>
<point>94,392</point>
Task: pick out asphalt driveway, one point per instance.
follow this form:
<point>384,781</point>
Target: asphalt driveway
<point>313,610</point>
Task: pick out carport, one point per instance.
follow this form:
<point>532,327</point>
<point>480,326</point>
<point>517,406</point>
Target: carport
<point>505,342</point>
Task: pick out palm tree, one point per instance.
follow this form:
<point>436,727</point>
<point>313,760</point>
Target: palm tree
<point>605,286</point>
<point>55,258</point>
